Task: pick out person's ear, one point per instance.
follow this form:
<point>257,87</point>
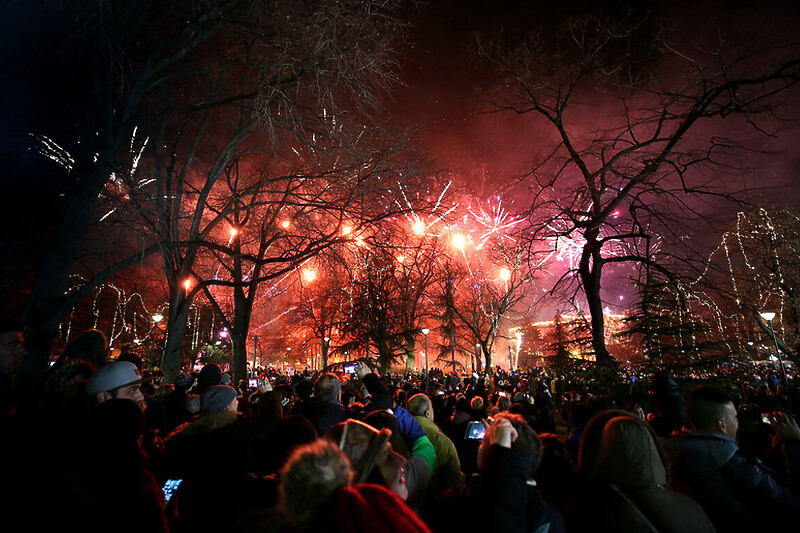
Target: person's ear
<point>103,395</point>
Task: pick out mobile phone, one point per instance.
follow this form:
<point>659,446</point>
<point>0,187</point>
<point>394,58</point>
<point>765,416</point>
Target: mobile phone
<point>765,418</point>
<point>502,393</point>
<point>350,369</point>
<point>252,383</point>
<point>475,430</point>
<point>169,488</point>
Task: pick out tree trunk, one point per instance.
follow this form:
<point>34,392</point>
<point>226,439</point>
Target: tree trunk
<point>239,366</point>
<point>176,327</point>
<point>43,311</point>
<point>590,269</point>
<point>411,348</point>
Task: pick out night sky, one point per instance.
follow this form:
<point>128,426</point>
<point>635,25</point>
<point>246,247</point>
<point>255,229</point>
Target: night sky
<point>441,95</point>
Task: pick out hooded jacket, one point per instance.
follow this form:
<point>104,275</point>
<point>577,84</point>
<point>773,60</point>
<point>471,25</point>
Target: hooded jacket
<point>626,487</point>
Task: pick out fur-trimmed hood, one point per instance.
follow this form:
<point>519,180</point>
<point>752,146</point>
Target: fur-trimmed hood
<point>204,423</point>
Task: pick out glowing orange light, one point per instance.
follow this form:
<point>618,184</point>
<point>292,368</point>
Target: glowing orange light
<point>234,231</point>
<point>347,230</point>
<point>187,284</point>
<point>360,241</point>
<point>459,241</point>
<point>309,275</point>
<point>419,227</point>
<point>401,258</point>
<point>285,224</point>
<point>505,274</point>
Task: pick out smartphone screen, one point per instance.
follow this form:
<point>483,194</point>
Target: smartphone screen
<point>350,369</point>
<point>252,383</point>
<point>169,488</point>
<point>475,430</point>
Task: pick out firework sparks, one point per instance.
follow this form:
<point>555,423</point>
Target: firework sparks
<point>494,222</point>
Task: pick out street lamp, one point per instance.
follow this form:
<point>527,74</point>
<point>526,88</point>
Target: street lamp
<point>425,332</point>
<point>769,317</point>
<point>157,317</point>
<point>516,355</point>
<point>255,353</point>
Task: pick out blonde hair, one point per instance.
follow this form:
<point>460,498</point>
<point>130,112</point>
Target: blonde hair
<point>310,477</point>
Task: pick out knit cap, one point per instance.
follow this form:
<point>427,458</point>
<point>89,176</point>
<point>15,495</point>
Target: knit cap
<point>217,398</point>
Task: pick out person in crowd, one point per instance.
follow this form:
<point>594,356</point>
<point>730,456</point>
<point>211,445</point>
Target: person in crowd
<point>119,379</point>
<point>324,408</point>
<point>319,491</point>
<point>667,405</point>
<point>737,490</point>
<point>556,476</point>
<point>115,472</point>
<point>212,455</point>
<point>579,415</point>
<point>503,496</point>
<point>447,468</point>
<point>414,439</point>
<point>12,353</point>
<point>371,455</point>
<point>209,376</point>
<point>174,402</point>
<point>624,483</point>
<point>477,409</point>
<point>91,346</point>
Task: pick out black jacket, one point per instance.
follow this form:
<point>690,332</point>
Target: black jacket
<point>737,491</point>
<point>499,499</point>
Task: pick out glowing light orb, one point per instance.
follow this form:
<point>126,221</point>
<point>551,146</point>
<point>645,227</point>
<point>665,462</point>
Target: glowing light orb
<point>347,230</point>
<point>459,241</point>
<point>505,274</point>
<point>285,224</point>
<point>234,232</point>
<point>187,284</point>
<point>419,227</point>
<point>309,275</point>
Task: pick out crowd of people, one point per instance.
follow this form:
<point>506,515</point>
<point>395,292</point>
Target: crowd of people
<point>100,445</point>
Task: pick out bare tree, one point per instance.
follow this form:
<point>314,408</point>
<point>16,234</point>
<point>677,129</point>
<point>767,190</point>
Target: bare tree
<point>487,294</point>
<point>186,61</point>
<point>641,170</point>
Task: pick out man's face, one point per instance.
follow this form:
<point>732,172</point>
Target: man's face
<point>11,351</point>
<point>730,420</point>
<point>130,392</point>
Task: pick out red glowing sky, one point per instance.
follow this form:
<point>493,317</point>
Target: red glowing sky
<point>443,81</point>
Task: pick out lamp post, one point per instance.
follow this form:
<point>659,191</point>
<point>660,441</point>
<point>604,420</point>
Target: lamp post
<point>157,317</point>
<point>326,344</point>
<point>255,353</point>
<point>769,317</point>
<point>425,332</point>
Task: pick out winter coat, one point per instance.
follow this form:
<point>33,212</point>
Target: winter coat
<point>323,415</point>
<point>738,491</point>
<point>447,468</point>
<point>212,455</point>
<point>500,498</point>
<point>625,490</point>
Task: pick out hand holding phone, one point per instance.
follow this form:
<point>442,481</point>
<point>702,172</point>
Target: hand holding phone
<point>501,432</point>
